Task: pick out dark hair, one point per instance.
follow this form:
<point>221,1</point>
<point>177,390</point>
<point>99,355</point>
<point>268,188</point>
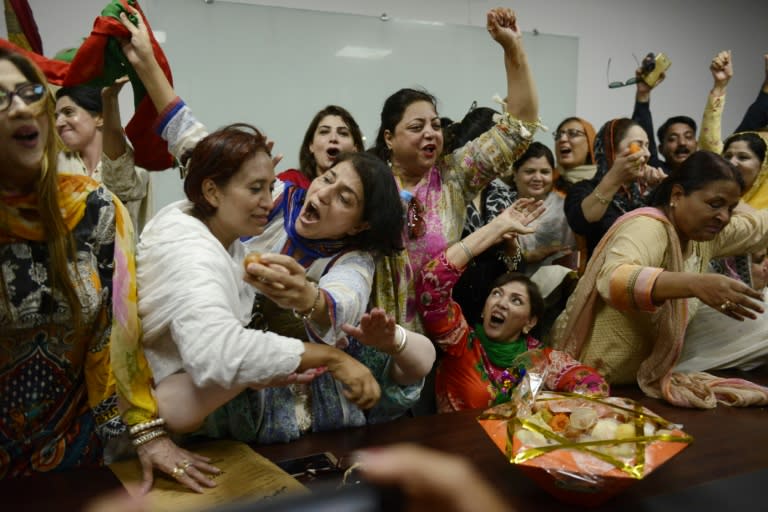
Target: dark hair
<point>218,157</point>
<point>392,113</point>
<point>696,172</point>
<point>382,207</point>
<point>535,150</point>
<point>755,143</point>
<point>477,121</point>
<point>534,295</point>
<point>307,163</point>
<point>662,131</point>
<point>84,96</point>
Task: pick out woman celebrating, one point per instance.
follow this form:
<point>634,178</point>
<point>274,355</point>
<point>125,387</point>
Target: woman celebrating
<point>481,365</point>
<point>88,121</point>
<point>322,280</point>
<point>620,185</point>
<point>68,307</point>
<point>438,187</point>
<point>574,150</point>
<point>629,312</point>
<point>332,131</point>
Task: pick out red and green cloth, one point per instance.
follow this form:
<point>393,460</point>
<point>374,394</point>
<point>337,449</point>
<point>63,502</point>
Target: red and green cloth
<point>99,62</point>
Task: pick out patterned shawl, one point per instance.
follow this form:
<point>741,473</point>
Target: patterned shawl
<point>124,366</point>
<point>655,376</point>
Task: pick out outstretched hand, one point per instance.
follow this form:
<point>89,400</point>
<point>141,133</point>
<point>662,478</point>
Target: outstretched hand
<point>514,220</point>
<point>376,329</point>
<point>729,296</point>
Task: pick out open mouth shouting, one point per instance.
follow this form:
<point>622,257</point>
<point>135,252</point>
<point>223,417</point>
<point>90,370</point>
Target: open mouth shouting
<point>27,136</point>
<point>429,150</point>
<point>310,213</point>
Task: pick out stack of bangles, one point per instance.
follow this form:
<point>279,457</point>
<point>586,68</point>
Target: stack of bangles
<point>402,340</point>
<point>142,433</point>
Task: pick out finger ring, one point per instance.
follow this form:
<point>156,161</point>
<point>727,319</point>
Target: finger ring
<point>727,305</point>
<point>177,472</point>
<point>261,279</point>
<point>184,464</point>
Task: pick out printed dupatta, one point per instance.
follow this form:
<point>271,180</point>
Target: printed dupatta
<point>124,367</point>
<point>655,376</point>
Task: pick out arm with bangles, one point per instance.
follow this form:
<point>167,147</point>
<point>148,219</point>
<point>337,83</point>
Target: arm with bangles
<point>443,320</point>
<point>473,166</point>
<point>710,134</point>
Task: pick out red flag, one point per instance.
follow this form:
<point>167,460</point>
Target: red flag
<point>22,29</point>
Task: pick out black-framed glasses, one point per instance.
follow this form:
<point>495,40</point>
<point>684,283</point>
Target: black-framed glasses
<point>570,134</point>
<point>415,217</point>
<point>29,93</point>
<point>616,85</point>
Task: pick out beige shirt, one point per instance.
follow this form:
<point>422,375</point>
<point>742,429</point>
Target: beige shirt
<point>131,184</point>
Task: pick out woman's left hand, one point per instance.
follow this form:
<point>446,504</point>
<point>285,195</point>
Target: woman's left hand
<point>283,280</point>
<point>377,329</point>
<point>185,467</point>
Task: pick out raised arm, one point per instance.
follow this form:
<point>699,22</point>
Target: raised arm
<point>710,136</point>
<point>756,116</point>
<point>522,98</point>
<point>113,137</point>
<point>642,113</point>
<point>138,51</point>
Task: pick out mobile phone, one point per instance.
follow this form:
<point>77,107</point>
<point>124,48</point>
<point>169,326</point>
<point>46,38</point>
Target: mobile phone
<point>312,468</point>
<point>661,64</point>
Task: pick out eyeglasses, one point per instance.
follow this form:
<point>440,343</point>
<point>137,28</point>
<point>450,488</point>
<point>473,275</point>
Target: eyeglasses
<point>415,216</point>
<point>616,85</point>
<point>29,93</point>
<point>570,133</point>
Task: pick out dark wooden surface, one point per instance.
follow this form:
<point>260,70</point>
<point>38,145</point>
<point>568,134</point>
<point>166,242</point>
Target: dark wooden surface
<point>727,442</point>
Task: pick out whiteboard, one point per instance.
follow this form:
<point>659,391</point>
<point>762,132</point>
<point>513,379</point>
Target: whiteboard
<point>275,68</point>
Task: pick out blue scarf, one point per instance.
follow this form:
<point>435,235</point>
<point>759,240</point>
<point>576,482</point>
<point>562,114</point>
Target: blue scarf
<point>289,203</point>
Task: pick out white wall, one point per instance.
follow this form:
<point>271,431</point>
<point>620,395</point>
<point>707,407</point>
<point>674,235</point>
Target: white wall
<point>689,31</point>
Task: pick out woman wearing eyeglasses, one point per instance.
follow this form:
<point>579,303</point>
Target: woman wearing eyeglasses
<point>438,186</point>
<point>313,274</point>
<point>621,183</point>
<point>68,312</point>
<point>574,140</point>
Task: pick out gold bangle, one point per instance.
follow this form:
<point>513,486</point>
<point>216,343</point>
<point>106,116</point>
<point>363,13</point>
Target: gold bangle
<point>470,256</point>
<point>306,316</point>
<point>603,200</point>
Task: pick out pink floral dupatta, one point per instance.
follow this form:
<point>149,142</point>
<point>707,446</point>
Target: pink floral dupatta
<point>655,376</point>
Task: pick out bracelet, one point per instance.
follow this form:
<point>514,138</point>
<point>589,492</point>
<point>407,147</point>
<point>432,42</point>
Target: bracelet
<point>141,427</point>
<point>603,200</point>
<point>306,316</point>
<point>470,256</point>
<point>402,342</point>
<point>149,436</point>
<point>512,262</point>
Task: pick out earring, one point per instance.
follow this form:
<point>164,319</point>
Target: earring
<point>525,330</point>
<point>672,204</point>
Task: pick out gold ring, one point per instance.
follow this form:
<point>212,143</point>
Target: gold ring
<point>185,464</point>
<point>177,472</point>
<point>727,305</point>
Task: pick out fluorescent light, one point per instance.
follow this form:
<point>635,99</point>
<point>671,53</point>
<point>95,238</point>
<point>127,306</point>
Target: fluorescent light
<point>363,52</point>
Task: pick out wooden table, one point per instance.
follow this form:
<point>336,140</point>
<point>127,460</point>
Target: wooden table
<point>727,442</point>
